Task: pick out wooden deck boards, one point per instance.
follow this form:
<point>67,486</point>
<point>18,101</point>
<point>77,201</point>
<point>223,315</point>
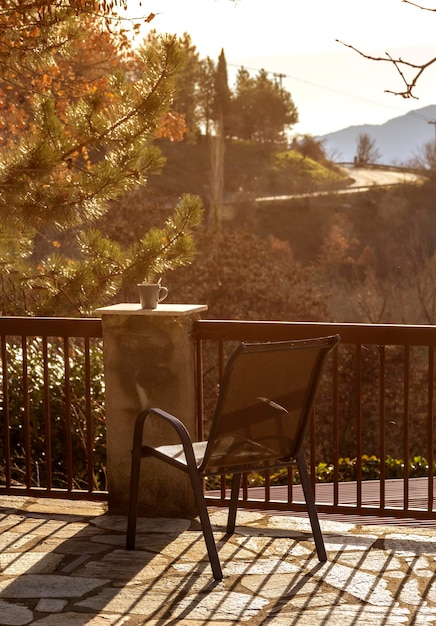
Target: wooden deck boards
<point>417,498</point>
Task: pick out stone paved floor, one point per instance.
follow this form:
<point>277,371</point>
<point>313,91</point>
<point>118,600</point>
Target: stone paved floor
<point>64,564</point>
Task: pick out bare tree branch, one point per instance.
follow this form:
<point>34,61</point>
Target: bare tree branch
<point>399,65</point>
<point>418,6</point>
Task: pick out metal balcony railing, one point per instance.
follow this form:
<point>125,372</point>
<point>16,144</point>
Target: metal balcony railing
<point>52,432</point>
<point>371,445</point>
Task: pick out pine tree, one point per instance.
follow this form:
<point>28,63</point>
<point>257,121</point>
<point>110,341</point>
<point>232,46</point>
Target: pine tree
<point>75,134</point>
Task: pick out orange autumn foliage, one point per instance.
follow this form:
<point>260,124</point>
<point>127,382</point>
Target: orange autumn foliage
<point>104,47</point>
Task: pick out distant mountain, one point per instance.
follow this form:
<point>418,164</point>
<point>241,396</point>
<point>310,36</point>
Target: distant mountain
<point>398,140</point>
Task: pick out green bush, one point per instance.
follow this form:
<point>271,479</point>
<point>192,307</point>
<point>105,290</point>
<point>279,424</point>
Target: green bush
<point>394,468</point>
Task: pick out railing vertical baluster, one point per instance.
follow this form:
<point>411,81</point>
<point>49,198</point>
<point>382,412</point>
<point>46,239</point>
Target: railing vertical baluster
<point>406,402</point>
<point>199,388</point>
<point>290,484</point>
<point>335,404</point>
<point>47,417</point>
<point>245,487</point>
<point>221,367</point>
<point>88,418</point>
<point>267,487</point>
<point>430,428</point>
<point>6,416</point>
<point>223,487</point>
<point>68,421</point>
<point>359,430</point>
<point>382,424</point>
<point>26,406</point>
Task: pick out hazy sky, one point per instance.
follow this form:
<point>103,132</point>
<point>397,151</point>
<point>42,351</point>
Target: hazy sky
<point>332,86</point>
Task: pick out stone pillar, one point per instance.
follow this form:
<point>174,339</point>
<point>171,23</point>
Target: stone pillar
<point>149,361</point>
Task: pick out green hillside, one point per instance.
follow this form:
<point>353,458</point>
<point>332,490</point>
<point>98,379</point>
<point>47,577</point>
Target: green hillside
<point>250,171</point>
<point>258,169</point>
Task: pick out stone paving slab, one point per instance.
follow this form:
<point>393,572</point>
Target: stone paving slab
<point>64,564</point>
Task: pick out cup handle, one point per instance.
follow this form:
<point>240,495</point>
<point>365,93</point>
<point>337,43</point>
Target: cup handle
<point>165,293</point>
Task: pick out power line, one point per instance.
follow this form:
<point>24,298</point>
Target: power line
<point>327,88</point>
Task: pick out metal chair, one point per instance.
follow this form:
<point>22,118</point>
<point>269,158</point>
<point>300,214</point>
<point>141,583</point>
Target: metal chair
<point>259,423</point>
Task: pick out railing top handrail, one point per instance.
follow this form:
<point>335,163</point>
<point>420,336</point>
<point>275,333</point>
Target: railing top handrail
<point>240,330</point>
<point>51,326</point>
<point>378,334</point>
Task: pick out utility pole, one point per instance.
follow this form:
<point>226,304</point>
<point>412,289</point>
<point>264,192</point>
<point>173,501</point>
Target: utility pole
<point>434,124</point>
<point>280,77</point>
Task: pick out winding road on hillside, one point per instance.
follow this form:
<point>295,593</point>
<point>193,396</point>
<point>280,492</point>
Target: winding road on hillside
<point>364,178</point>
<point>370,177</point>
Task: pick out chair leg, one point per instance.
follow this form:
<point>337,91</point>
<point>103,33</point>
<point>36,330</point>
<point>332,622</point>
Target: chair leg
<point>197,486</point>
<point>233,507</point>
<point>133,499</point>
<point>310,503</point>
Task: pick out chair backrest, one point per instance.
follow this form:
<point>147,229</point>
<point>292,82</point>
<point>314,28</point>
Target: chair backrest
<point>264,404</point>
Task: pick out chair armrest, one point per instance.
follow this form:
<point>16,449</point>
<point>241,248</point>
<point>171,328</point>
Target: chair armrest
<point>174,422</point>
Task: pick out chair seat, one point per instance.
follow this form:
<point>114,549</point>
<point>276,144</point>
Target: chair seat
<point>176,453</point>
